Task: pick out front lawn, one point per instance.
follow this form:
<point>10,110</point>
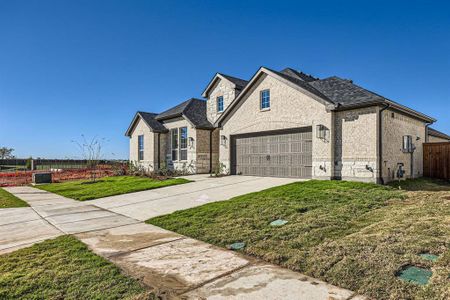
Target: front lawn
<point>8,200</point>
<point>63,268</point>
<point>354,235</point>
<point>107,186</point>
<point>421,184</point>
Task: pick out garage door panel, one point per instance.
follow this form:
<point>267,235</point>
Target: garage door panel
<point>281,154</point>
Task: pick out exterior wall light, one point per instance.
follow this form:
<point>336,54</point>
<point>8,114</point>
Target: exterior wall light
<point>191,141</point>
<point>321,132</point>
<point>223,140</point>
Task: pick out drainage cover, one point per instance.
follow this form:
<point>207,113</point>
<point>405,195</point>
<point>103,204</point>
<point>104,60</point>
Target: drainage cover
<point>429,256</point>
<point>415,274</point>
<point>237,246</point>
<point>279,222</point>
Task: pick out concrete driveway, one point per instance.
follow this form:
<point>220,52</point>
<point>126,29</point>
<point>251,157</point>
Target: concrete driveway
<point>205,189</point>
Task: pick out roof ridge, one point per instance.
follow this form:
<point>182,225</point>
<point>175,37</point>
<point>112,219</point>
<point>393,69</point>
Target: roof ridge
<point>146,112</point>
<point>190,101</point>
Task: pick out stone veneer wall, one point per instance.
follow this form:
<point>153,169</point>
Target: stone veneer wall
<point>290,108</point>
<point>356,144</point>
<point>395,126</point>
<point>203,150</point>
<point>221,88</point>
<point>149,159</point>
<point>190,163</point>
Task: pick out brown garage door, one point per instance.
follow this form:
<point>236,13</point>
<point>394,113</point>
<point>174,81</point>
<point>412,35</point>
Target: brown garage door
<point>278,154</point>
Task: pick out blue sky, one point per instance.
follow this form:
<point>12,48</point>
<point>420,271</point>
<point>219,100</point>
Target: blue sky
<point>85,67</point>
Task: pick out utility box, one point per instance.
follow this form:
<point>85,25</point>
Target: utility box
<point>38,178</point>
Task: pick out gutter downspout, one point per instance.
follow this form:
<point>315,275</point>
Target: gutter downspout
<point>426,131</point>
<point>380,143</point>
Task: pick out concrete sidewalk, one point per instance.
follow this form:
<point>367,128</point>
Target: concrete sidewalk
<point>173,265</point>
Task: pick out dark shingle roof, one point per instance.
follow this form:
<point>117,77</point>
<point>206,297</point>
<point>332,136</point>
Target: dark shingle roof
<point>196,113</point>
<point>344,92</point>
<point>149,119</point>
<point>173,112</point>
<point>437,133</point>
<point>193,109</point>
<point>154,124</point>
<point>303,84</point>
<point>299,75</point>
<point>240,83</point>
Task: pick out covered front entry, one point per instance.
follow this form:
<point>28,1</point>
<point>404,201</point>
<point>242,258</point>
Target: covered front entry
<point>281,153</point>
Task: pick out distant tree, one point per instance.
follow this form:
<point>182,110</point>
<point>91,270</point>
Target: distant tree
<point>6,153</point>
<point>91,151</point>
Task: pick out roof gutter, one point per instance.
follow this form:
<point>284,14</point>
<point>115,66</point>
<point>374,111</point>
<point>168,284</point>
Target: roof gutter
<point>380,142</point>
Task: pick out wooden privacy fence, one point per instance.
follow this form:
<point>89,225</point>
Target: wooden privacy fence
<point>436,160</point>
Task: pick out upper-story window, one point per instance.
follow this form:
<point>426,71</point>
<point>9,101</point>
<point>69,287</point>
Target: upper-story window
<point>265,99</point>
<point>140,147</point>
<point>220,104</point>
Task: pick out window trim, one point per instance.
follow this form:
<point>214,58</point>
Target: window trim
<point>180,149</point>
<point>140,147</point>
<point>261,98</point>
<point>217,104</point>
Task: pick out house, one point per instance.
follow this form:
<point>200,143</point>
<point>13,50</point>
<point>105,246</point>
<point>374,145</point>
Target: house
<point>435,136</point>
<point>284,124</point>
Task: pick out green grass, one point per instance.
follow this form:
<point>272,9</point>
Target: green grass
<point>421,184</point>
<point>353,235</point>
<point>8,200</point>
<point>63,268</point>
<point>107,186</point>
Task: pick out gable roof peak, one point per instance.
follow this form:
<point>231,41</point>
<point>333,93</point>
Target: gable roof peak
<point>237,83</point>
<point>149,119</point>
<point>298,74</point>
<point>193,109</point>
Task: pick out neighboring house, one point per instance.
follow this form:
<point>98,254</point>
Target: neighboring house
<point>435,136</point>
<point>285,124</point>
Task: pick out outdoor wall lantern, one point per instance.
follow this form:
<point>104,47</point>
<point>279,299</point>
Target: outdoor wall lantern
<point>223,140</point>
<point>191,141</point>
<point>321,132</point>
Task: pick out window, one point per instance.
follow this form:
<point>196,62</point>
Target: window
<point>174,138</point>
<point>183,143</point>
<point>408,146</point>
<point>265,99</point>
<point>140,147</point>
<point>179,142</point>
<point>220,104</point>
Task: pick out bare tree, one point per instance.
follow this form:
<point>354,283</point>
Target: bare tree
<point>91,151</point>
<point>6,153</point>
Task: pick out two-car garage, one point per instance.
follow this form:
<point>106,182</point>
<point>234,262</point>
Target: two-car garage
<point>281,153</point>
